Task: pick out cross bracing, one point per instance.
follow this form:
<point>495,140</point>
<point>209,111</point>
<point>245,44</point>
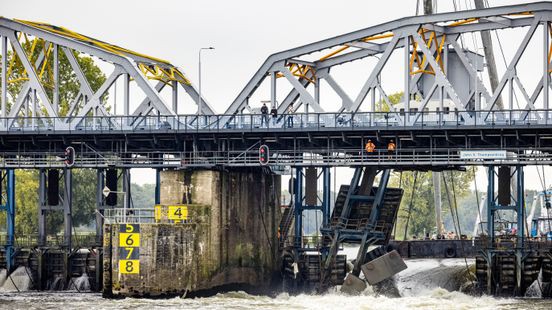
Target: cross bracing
<point>37,47</point>
<point>437,69</point>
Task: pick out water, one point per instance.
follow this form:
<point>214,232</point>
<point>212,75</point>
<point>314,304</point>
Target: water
<point>80,284</point>
<point>19,280</point>
<point>422,286</point>
<point>435,299</point>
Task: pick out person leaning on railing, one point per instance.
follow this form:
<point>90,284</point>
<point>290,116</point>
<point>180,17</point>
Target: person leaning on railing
<point>370,147</point>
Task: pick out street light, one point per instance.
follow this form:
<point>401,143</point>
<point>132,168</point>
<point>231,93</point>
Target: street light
<point>199,102</point>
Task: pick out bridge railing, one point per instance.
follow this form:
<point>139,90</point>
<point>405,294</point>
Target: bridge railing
<point>287,157</point>
<point>295,121</point>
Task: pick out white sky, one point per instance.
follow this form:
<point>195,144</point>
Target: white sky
<point>244,33</point>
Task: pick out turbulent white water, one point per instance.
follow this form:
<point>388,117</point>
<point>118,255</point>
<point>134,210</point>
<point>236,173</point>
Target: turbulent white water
<point>435,299</point>
<point>424,285</point>
<point>80,284</point>
<point>19,280</point>
<point>426,275</point>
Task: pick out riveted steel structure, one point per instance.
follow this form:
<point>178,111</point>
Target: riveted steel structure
<point>151,133</point>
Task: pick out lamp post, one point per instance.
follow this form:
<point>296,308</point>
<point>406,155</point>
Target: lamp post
<point>199,101</point>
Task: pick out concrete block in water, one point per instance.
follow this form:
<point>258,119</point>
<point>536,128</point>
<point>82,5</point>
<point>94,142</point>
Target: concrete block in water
<point>383,267</point>
<point>353,285</point>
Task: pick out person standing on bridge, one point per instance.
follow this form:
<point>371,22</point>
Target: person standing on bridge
<point>264,116</point>
<point>274,113</point>
<point>370,147</point>
<point>290,112</point>
<point>391,147</point>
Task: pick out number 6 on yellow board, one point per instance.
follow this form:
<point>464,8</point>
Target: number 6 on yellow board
<point>129,240</point>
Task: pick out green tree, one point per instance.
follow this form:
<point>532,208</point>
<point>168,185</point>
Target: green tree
<point>69,86</point>
<point>417,206</point>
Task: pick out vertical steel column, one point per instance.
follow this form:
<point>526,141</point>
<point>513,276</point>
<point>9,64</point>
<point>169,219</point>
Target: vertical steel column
<point>100,184</point>
<point>520,210</point>
<point>10,218</point>
<point>4,75</point>
<point>42,203</point>
<point>273,89</point>
<point>520,205</point>
<point>490,228</point>
<point>67,207</point>
<point>175,97</point>
<point>407,79</point>
<point>326,196</point>
<point>317,90</point>
<point>126,187</point>
<point>56,78</point>
<point>126,97</point>
<point>298,201</point>
<point>372,105</point>
<point>157,186</point>
<point>545,74</point>
<point>490,205</point>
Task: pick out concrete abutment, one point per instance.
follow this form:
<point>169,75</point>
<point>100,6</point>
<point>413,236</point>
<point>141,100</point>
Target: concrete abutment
<point>229,238</point>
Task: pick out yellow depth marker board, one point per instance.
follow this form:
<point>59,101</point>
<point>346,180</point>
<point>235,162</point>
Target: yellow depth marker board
<point>173,212</point>
<point>129,248</point>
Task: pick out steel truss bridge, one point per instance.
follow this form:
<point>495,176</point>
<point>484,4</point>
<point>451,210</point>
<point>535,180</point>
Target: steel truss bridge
<point>446,106</point>
<point>34,129</point>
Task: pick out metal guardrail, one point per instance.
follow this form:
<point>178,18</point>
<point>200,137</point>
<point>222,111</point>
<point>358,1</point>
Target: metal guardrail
<point>334,157</point>
<point>31,240</point>
<point>129,215</point>
<point>255,122</point>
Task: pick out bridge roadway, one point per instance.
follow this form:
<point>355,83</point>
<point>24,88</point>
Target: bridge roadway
<point>319,139</point>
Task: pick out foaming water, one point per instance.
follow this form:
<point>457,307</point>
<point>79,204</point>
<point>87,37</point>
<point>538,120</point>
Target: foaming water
<point>424,275</point>
<point>426,284</point>
<point>3,273</point>
<point>80,284</point>
<point>434,299</point>
<point>18,281</point>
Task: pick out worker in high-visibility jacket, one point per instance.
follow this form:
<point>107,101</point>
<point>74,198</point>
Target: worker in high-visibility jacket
<point>391,147</point>
<point>370,147</point>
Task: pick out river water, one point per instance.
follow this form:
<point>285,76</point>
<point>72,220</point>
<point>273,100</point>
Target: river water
<point>426,284</point>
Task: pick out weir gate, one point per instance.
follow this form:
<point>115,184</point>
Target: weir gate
<point>449,119</point>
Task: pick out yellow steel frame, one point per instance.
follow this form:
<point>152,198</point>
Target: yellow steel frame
<point>550,49</point>
<point>158,69</point>
<point>301,71</point>
<point>43,68</point>
<point>415,60</point>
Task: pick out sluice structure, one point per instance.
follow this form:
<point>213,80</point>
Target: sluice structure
<point>212,230</point>
<point>217,222</point>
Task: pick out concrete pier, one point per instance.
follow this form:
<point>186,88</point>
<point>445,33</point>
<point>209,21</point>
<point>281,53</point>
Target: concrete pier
<point>228,239</point>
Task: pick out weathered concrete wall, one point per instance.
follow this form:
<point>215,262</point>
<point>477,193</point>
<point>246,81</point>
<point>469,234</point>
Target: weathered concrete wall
<point>231,237</point>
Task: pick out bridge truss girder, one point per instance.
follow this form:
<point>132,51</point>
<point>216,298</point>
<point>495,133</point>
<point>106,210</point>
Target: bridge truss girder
<point>408,34</point>
<point>33,102</point>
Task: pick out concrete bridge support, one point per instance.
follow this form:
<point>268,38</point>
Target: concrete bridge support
<point>228,237</point>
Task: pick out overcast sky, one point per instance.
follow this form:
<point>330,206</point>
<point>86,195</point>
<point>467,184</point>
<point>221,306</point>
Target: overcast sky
<point>244,33</point>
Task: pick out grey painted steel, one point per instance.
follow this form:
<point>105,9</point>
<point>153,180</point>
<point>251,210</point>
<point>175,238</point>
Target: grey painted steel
<point>42,202</point>
<point>4,75</point>
<point>68,207</point>
<point>128,63</point>
<point>351,39</point>
<point>489,54</point>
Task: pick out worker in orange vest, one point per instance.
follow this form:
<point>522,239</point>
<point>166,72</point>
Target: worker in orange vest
<point>391,147</point>
<point>370,147</point>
